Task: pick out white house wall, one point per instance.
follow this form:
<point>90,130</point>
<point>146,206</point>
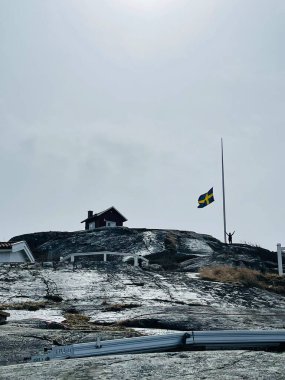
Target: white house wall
<point>20,253</point>
<point>5,256</point>
<point>13,257</point>
<point>18,257</point>
<point>22,247</point>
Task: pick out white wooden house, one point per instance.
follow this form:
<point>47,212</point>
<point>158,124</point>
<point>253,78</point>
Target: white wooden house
<point>18,252</point>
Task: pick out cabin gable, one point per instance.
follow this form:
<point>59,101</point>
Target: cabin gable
<point>18,252</point>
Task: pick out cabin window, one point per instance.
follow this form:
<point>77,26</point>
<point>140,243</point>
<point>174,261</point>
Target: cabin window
<point>91,226</point>
<point>110,224</point>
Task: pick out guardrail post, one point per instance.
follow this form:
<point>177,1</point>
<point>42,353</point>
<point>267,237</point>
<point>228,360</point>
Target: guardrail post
<point>279,259</point>
<point>98,342</point>
<point>105,257</point>
<point>72,258</point>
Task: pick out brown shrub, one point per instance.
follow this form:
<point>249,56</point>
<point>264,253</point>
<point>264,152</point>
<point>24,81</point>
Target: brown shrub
<point>76,320</point>
<point>82,322</point>
<point>170,242</point>
<point>121,306</point>
<point>245,276</point>
<point>29,305</point>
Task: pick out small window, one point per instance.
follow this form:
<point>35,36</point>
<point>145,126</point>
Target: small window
<point>110,224</point>
<point>91,226</point>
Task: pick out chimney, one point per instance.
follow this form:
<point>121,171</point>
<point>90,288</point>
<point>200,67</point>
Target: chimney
<point>90,214</point>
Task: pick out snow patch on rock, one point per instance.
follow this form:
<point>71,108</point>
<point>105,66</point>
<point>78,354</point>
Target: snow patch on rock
<point>151,243</point>
<point>49,315</point>
<point>197,246</point>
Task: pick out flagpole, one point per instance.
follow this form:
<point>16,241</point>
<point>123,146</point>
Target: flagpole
<point>224,197</point>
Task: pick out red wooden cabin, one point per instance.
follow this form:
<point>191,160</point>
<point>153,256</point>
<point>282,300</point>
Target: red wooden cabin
<point>108,218</point>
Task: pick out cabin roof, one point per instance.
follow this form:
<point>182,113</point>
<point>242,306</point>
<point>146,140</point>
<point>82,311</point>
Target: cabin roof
<point>5,245</point>
<point>94,216</point>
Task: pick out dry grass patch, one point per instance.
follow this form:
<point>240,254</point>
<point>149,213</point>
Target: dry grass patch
<point>244,276</point>
<point>82,322</point>
<point>77,321</point>
<point>29,305</point>
<point>121,306</point>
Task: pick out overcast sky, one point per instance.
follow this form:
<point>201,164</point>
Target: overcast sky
<point>124,102</point>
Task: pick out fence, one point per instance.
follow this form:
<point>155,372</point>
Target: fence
<point>280,250</point>
<point>134,256</point>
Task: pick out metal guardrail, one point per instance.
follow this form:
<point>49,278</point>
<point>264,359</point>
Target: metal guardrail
<point>193,340</point>
<point>235,339</point>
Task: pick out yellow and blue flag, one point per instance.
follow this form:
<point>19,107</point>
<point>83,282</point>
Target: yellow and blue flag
<point>205,199</point>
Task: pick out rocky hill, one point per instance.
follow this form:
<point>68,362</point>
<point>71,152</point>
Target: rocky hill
<point>181,250</point>
<point>63,305</point>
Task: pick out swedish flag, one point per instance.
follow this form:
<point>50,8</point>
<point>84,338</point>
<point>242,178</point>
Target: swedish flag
<point>205,199</point>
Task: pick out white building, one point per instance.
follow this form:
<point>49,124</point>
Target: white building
<point>18,252</point>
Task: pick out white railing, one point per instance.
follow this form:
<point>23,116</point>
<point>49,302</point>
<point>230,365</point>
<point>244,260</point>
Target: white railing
<point>280,250</point>
<point>105,254</point>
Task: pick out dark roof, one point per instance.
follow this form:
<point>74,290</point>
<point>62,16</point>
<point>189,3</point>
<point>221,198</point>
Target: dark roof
<point>5,245</point>
<point>94,216</point>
